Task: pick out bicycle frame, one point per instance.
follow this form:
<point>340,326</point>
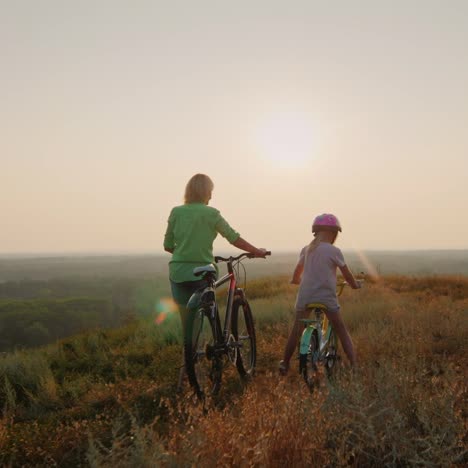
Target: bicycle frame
<point>317,324</point>
<point>232,291</point>
<point>206,294</point>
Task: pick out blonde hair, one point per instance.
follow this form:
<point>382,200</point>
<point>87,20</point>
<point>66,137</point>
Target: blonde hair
<point>198,189</point>
<point>314,244</point>
<point>318,237</point>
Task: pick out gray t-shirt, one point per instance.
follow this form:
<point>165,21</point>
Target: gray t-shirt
<point>318,282</point>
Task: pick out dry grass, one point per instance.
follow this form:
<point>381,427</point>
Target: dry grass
<point>405,405</point>
<point>455,287</point>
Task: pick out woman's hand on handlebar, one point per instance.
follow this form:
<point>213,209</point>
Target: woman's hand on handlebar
<point>261,253</point>
<point>244,245</point>
<point>264,253</point>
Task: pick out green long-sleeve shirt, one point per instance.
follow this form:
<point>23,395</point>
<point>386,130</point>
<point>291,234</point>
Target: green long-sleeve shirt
<point>191,230</point>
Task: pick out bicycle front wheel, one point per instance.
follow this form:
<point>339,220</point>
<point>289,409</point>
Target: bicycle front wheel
<point>243,330</point>
<point>202,363</point>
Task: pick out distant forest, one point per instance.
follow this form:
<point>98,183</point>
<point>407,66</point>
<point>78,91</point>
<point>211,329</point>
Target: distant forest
<point>37,312</point>
<point>413,262</point>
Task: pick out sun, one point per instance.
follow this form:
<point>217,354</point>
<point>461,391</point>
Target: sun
<point>286,140</point>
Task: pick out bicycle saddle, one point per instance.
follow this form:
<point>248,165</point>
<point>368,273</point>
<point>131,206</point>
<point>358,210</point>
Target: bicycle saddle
<point>199,271</point>
<point>316,305</point>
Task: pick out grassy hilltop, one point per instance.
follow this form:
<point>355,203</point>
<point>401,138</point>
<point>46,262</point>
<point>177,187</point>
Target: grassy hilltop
<point>107,398</point>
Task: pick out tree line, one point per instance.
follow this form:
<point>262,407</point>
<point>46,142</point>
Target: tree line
<point>38,312</point>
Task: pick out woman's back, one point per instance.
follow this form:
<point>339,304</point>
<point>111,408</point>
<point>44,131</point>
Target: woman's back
<point>194,227</point>
<point>191,231</point>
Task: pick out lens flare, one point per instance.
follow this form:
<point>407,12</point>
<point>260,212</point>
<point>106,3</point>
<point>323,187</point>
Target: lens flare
<point>370,268</point>
<point>165,307</point>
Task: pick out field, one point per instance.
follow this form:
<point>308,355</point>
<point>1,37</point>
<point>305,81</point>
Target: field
<point>107,397</point>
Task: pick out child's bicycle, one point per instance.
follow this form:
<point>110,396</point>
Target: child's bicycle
<point>319,343</point>
<point>207,346</point>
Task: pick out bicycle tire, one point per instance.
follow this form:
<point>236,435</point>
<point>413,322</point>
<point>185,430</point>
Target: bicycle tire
<point>243,330</point>
<point>308,362</point>
<point>202,363</point>
<point>331,356</point>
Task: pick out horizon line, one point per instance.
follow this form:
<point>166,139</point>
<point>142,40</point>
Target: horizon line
<point>138,253</point>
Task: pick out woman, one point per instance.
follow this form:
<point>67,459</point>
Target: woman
<point>191,230</point>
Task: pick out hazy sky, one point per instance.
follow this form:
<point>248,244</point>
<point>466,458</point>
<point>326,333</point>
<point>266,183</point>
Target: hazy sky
<point>294,108</point>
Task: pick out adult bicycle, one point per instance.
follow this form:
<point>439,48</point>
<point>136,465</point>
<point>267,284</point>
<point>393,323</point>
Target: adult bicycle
<point>319,343</point>
<point>208,344</point>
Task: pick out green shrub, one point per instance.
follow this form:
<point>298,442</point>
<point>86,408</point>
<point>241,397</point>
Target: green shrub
<point>27,379</point>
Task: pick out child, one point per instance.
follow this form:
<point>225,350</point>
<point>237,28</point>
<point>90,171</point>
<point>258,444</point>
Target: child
<point>317,266</point>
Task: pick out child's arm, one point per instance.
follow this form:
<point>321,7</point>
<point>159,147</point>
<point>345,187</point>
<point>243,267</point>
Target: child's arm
<point>349,277</point>
<point>296,278</point>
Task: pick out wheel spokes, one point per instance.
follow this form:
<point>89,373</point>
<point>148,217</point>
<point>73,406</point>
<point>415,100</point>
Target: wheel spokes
<point>205,368</point>
<point>245,344</point>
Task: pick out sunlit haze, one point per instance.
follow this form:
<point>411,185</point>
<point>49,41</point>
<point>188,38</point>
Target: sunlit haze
<point>359,108</point>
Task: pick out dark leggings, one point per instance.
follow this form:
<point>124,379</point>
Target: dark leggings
<point>181,293</point>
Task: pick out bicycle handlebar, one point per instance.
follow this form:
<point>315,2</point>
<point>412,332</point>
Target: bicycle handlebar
<point>341,285</point>
<point>239,257</point>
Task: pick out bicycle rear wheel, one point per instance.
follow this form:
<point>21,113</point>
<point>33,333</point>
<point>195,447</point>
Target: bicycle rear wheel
<point>308,362</point>
<point>331,355</point>
<point>243,330</point>
<point>202,363</point>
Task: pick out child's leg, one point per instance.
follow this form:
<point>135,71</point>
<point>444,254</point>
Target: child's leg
<point>294,335</point>
<point>340,328</point>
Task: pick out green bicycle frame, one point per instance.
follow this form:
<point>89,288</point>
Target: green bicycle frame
<point>307,333</point>
<point>317,325</point>
<point>305,339</point>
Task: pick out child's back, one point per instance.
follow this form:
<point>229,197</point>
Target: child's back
<point>319,277</point>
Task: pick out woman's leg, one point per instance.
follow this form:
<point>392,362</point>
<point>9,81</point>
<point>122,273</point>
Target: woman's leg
<point>340,328</point>
<point>181,293</point>
<point>293,339</point>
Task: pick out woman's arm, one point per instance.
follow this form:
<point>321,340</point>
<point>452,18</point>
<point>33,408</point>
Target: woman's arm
<point>233,237</point>
<point>349,277</point>
<point>244,245</point>
<point>169,244</point>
